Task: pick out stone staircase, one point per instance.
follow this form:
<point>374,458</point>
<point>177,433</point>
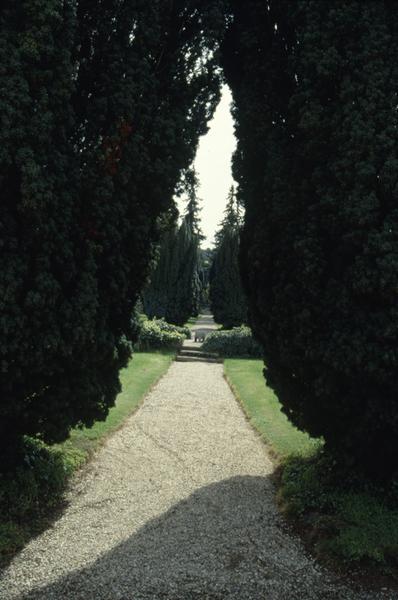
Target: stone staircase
<point>191,350</point>
<point>191,353</point>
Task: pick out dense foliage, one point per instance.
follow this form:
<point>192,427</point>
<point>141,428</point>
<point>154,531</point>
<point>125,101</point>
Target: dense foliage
<point>157,334</point>
<point>175,288</point>
<point>102,106</point>
<point>314,86</point>
<point>238,342</point>
<point>227,299</point>
<point>205,262</point>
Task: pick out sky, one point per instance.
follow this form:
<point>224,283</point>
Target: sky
<point>213,167</point>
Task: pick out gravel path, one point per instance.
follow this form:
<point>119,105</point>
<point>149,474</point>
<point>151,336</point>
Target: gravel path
<point>177,505</point>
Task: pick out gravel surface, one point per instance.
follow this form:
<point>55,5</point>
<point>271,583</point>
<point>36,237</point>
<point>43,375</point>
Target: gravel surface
<point>177,505</point>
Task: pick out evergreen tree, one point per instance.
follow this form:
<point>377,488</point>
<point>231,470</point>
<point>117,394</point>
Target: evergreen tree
<point>227,299</point>
<point>192,268</point>
<point>314,86</point>
<point>205,261</point>
<point>102,108</point>
<point>175,286</point>
<point>164,271</point>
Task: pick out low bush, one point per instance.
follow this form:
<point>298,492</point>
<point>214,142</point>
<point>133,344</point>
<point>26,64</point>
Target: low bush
<point>236,342</point>
<point>32,489</point>
<point>39,482</point>
<point>157,334</point>
<point>169,327</point>
<point>350,519</point>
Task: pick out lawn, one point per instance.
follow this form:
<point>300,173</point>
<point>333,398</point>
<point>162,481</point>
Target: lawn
<point>264,410</point>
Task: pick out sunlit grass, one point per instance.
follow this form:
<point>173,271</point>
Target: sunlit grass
<point>264,410</point>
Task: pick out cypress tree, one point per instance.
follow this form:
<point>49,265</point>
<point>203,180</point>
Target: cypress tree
<point>102,109</point>
<point>192,267</point>
<point>45,272</point>
<point>175,286</point>
<point>314,85</point>
<point>155,295</point>
<point>227,299</point>
<point>205,263</point>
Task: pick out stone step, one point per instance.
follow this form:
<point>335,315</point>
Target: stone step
<point>199,353</point>
<point>191,347</point>
<point>180,358</point>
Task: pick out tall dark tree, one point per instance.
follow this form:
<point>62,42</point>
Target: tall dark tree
<point>227,299</point>
<point>102,106</point>
<point>205,261</point>
<point>314,86</point>
<point>175,286</point>
<point>164,271</point>
<point>191,272</point>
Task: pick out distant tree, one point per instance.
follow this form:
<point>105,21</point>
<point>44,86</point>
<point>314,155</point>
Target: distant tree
<point>164,270</point>
<point>227,299</point>
<point>175,285</point>
<point>205,262</point>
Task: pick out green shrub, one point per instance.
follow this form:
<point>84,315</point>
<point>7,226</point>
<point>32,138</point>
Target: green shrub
<point>164,326</point>
<point>233,342</point>
<point>156,334</point>
<point>34,487</point>
<point>39,482</point>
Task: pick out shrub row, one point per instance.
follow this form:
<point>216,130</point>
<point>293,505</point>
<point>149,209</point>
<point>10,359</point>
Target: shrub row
<point>157,334</point>
<point>238,341</point>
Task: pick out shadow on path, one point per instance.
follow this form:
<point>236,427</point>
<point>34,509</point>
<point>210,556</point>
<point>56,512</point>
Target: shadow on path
<point>221,542</point>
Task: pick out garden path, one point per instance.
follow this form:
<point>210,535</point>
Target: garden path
<point>177,505</point>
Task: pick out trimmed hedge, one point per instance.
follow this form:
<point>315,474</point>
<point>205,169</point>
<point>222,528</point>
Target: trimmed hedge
<point>169,327</point>
<point>238,341</point>
<point>157,334</point>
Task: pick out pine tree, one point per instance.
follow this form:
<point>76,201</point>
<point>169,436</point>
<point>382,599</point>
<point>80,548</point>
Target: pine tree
<point>227,299</point>
<point>314,86</point>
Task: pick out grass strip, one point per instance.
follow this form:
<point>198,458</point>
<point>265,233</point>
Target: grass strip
<point>263,409</point>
